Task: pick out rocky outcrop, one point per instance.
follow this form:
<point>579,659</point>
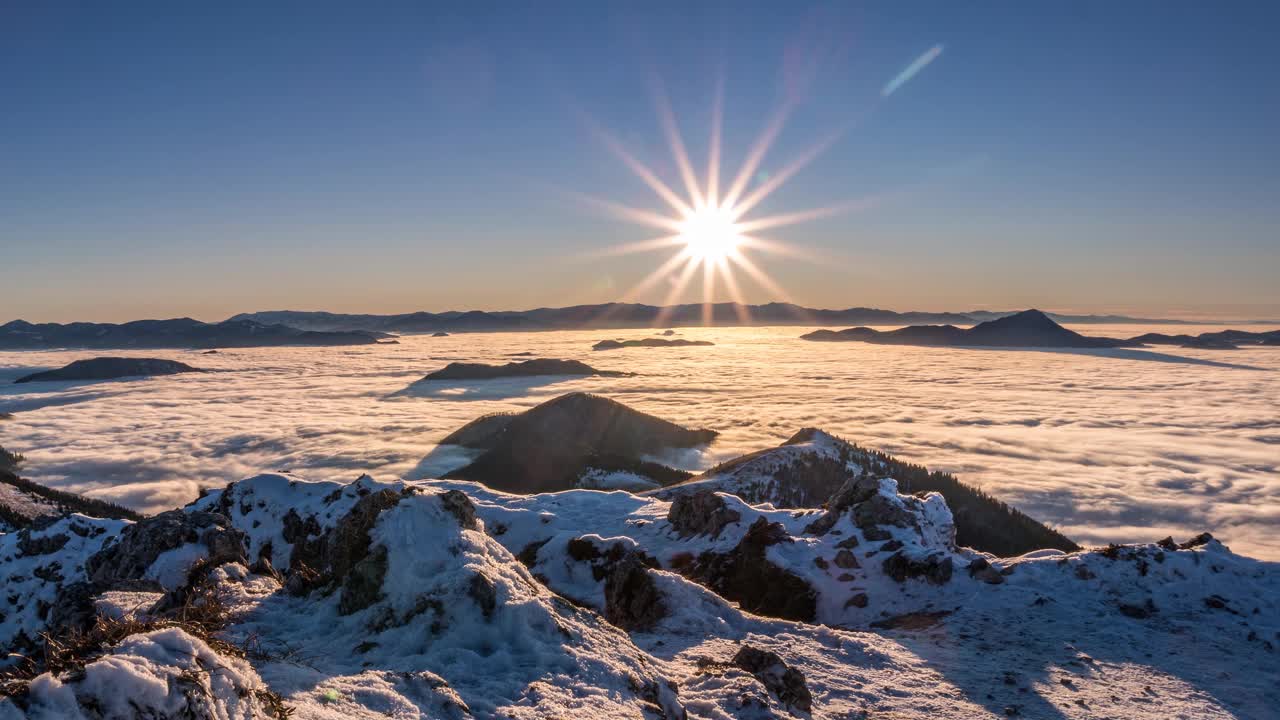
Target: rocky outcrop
<point>632,600</point>
<point>814,468</point>
<point>701,513</point>
<point>786,683</point>
<point>342,555</point>
<point>125,562</point>
<point>746,576</point>
<point>853,491</point>
<point>936,569</point>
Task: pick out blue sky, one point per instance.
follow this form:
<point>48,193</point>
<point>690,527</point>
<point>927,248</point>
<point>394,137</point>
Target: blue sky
<point>158,160</point>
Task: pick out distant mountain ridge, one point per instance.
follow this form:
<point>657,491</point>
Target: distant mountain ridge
<point>632,315</point>
<point>1030,328</point>
<point>175,333</point>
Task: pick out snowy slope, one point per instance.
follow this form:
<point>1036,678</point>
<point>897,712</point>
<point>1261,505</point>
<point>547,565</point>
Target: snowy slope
<point>444,599</point>
<point>799,474</point>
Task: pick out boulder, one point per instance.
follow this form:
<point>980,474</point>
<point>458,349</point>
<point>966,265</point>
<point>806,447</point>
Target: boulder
<point>787,683</point>
<point>852,492</point>
<point>746,576</point>
<point>881,510</point>
<point>632,600</point>
<point>701,513</point>
<point>936,569</point>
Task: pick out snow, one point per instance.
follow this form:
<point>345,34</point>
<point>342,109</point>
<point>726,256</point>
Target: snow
<point>30,580</point>
<point>164,674</point>
<point>461,628</point>
<point>171,566</point>
<point>597,479</point>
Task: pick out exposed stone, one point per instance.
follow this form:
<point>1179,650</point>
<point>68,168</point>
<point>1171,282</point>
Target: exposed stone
<point>138,545</point>
<point>457,503</point>
<point>701,513</point>
<point>40,545</point>
<point>881,510</point>
<point>342,555</point>
<point>1197,541</point>
<point>787,683</point>
<point>876,534</point>
<point>745,576</point>
<point>349,539</point>
<point>845,559</point>
<point>362,584</point>
<point>295,530</point>
<point>1139,611</point>
<point>936,569</point>
<point>632,600</point>
<point>529,554</point>
<point>853,491</point>
<point>72,610</point>
<point>981,569</point>
<point>265,568</point>
<point>482,590</point>
<point>849,542</point>
<point>859,600</point>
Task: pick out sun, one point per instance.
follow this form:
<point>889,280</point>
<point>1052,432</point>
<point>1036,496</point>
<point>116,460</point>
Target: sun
<point>710,233</point>
<point>711,226</point>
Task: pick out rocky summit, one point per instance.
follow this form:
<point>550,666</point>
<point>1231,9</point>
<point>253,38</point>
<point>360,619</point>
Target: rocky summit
<point>277,596</point>
<point>574,440</point>
<point>525,368</point>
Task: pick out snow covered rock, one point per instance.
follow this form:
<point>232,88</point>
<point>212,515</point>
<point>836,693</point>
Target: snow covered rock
<point>748,577</point>
<point>619,606</point>
<point>701,513</point>
<point>42,570</point>
<point>445,597</point>
<point>159,549</point>
<point>165,673</point>
<point>815,469</point>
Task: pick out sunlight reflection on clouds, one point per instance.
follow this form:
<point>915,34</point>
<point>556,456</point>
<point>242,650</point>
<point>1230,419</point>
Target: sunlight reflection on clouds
<point>1109,449</point>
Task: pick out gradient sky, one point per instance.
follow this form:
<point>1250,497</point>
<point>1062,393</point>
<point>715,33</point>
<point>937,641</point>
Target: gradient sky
<point>208,159</point>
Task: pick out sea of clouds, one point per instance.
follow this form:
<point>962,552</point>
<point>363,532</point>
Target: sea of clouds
<point>1108,445</point>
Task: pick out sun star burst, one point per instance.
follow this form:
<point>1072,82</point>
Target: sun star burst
<point>709,228</point>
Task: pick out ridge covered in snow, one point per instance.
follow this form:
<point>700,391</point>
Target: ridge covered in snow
<point>449,599</point>
<point>804,471</point>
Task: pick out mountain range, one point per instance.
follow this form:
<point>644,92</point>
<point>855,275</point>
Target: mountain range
<point>176,333</point>
<point>631,315</point>
<point>1032,329</point>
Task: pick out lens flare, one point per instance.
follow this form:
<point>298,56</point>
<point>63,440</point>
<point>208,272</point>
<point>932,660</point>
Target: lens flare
<point>710,226</point>
<point>709,234</point>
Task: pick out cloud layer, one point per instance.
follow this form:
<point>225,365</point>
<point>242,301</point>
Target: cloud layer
<point>1107,446</point>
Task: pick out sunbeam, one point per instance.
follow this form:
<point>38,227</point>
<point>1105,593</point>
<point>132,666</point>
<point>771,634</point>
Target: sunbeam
<point>712,229</point>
